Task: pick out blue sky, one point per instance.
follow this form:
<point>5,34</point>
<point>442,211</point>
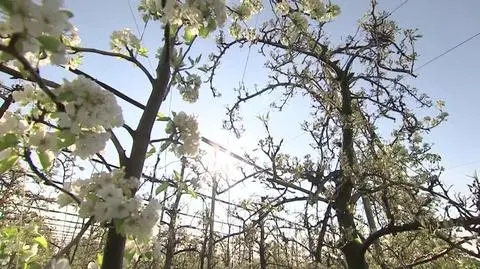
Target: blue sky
<point>443,23</point>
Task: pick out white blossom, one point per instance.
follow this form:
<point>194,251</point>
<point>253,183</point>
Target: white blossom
<point>59,264</point>
<point>190,87</point>
<point>43,140</point>
<point>88,106</point>
<point>316,8</point>
<point>21,18</point>
<point>220,14</point>
<point>35,19</point>
<point>124,209</point>
<point>25,96</point>
<point>107,196</point>
<point>110,192</point>
<point>195,14</point>
<point>250,34</point>
<point>12,123</point>
<point>141,224</point>
<point>50,19</point>
<point>92,265</point>
<point>187,129</point>
<point>121,39</point>
<point>59,57</point>
<point>282,7</point>
<point>89,144</point>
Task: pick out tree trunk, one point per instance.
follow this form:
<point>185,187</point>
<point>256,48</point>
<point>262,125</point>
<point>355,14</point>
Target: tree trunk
<point>203,250</point>
<point>115,245</point>
<point>367,205</point>
<point>228,258</point>
<point>250,256</point>
<point>344,207</point>
<point>211,239</point>
<point>172,226</point>
<point>262,248</point>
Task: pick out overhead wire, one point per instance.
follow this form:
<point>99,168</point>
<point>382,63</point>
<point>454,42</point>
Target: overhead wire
<point>398,7</point>
<point>248,55</point>
<point>140,33</point>
<point>133,15</point>
<point>448,51</point>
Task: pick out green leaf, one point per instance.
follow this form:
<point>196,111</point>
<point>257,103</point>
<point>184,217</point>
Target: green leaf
<point>145,18</point>
<point>177,176</point>
<point>50,43</point>
<point>162,117</point>
<point>203,32</point>
<point>129,254</point>
<point>161,188</point>
<point>99,259</point>
<point>7,163</point>
<point>66,96</point>
<point>150,152</point>
<point>165,146</point>
<point>34,265</point>
<point>5,56</point>
<point>173,30</point>
<point>10,231</point>
<point>148,255</point>
<point>68,13</point>
<point>45,158</point>
<point>192,193</point>
<point>212,24</point>
<point>189,35</point>
<point>66,139</point>
<point>7,141</point>
<point>42,241</point>
<point>119,225</point>
<point>143,52</point>
<point>6,5</point>
<point>204,69</point>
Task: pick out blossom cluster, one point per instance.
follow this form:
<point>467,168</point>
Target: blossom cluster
<point>109,196</point>
<point>87,107</point>
<point>11,123</point>
<point>200,17</point>
<point>247,9</point>
<point>89,112</point>
<point>189,88</point>
<point>122,39</point>
<point>37,26</point>
<point>184,128</point>
<point>15,130</point>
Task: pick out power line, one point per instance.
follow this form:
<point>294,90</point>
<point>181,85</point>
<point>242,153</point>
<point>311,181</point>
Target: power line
<point>448,51</point>
<point>133,15</point>
<point>398,7</point>
<point>461,165</point>
<point>141,33</point>
<point>248,54</point>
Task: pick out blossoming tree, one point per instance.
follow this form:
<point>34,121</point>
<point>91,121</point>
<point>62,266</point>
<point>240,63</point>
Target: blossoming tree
<point>358,170</point>
<point>374,179</point>
<point>51,117</point>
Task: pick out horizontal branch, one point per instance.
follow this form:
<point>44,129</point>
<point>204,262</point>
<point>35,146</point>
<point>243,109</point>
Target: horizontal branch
<point>47,181</point>
<point>119,55</point>
<point>416,225</point>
